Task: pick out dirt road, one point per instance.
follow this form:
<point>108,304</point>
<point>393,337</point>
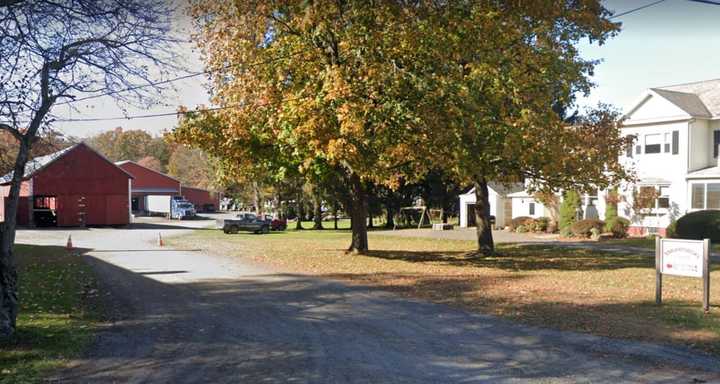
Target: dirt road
<point>188,317</point>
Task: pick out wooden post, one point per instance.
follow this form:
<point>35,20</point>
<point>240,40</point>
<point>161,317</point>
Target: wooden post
<point>706,275</point>
<point>658,269</point>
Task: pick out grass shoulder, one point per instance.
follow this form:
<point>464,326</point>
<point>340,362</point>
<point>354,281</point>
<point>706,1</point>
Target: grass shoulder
<point>56,322</point>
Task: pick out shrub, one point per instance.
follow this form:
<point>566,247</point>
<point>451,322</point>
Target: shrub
<point>671,230</point>
<point>583,228</point>
<point>566,232</point>
<point>540,224</point>
<point>520,220</point>
<point>568,209</point>
<point>611,215</point>
<point>699,225</point>
<point>618,227</point>
<point>521,229</point>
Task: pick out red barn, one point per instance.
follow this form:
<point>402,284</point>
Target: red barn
<point>73,187</point>
<point>203,200</point>
<point>148,182</point>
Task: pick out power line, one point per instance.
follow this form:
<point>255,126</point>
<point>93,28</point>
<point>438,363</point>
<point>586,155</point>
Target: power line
<point>705,2</point>
<point>162,82</point>
<point>636,9</point>
<point>165,114</point>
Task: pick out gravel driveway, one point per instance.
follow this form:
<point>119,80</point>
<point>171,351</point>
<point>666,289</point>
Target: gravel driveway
<point>188,317</point>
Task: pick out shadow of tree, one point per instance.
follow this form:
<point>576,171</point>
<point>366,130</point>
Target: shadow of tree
<point>525,258</point>
<point>280,328</point>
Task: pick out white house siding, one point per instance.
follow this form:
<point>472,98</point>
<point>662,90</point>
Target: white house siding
<point>654,107</point>
<point>521,207</point>
<point>469,198</point>
<point>701,134</point>
<point>662,169</point>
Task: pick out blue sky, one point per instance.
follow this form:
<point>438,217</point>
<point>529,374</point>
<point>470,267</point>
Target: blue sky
<point>673,42</point>
<point>676,41</point>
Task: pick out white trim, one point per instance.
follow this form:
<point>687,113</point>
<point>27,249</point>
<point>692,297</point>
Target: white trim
<point>130,216</point>
<point>672,119</point>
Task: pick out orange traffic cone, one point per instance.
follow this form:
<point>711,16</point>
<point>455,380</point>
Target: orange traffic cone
<point>160,240</point>
<point>69,245</point>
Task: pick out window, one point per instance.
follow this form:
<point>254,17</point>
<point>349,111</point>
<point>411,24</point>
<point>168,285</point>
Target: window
<point>652,199</point>
<point>698,196</point>
<point>713,196</point>
<point>664,198</point>
<point>705,196</point>
<point>44,202</point>
<point>666,145</point>
<point>675,142</point>
<point>653,143</point>
<point>531,208</point>
<point>716,142</point>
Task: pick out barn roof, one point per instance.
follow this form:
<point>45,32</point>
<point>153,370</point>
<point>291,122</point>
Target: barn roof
<point>37,164</point>
<point>124,162</point>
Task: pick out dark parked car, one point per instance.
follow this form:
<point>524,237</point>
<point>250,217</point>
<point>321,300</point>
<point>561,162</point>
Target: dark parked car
<point>246,222</point>
<point>276,224</point>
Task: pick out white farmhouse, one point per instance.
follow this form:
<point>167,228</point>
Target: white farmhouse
<point>676,133</point>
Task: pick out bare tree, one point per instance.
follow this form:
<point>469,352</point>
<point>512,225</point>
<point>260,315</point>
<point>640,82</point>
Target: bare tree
<point>55,52</point>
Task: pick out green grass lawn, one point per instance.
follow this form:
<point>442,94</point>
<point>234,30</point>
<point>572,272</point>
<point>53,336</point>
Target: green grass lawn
<point>55,323</point>
<point>571,289</point>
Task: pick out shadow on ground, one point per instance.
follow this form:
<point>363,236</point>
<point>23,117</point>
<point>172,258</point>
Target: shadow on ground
<point>525,258</point>
<point>283,328</point>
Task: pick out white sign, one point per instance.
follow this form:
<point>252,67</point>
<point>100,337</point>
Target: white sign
<point>681,257</point>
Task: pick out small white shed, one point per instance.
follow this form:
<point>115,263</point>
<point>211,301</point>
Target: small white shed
<point>500,205</point>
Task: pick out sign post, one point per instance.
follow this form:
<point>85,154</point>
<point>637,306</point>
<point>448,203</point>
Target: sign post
<point>706,275</point>
<point>688,258</point>
<point>658,270</point>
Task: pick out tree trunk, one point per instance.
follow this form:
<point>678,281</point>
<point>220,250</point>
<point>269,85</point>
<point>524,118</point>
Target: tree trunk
<point>358,215</point>
<point>482,218</point>
<point>371,223</point>
<point>8,269</point>
<point>335,215</point>
<point>389,216</point>
<point>317,216</point>
<point>299,207</point>
<point>256,198</point>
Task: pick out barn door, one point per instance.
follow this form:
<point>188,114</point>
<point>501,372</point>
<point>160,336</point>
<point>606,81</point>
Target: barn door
<point>71,211</point>
<point>471,220</point>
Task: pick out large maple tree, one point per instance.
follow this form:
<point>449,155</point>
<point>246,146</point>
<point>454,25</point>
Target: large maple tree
<point>382,91</point>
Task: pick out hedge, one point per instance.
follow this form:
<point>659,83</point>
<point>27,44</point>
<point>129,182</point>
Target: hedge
<point>699,225</point>
<point>583,228</point>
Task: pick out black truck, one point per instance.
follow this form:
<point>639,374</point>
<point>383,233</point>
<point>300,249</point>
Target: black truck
<point>245,222</point>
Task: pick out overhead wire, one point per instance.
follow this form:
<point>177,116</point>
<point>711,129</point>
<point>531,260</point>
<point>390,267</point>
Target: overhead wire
<point>165,114</point>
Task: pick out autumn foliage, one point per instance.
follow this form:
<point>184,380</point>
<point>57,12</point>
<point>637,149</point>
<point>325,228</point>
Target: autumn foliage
<point>381,92</point>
